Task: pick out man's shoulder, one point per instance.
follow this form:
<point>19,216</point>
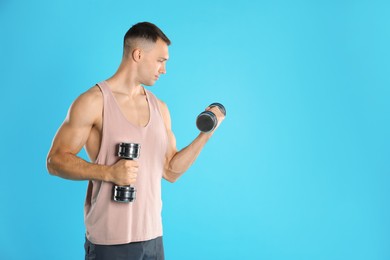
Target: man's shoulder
<point>158,100</point>
<point>89,101</point>
<point>92,96</point>
<point>163,109</point>
<point>161,104</point>
<point>93,93</point>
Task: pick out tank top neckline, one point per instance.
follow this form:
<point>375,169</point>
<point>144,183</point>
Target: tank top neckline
<point>123,115</point>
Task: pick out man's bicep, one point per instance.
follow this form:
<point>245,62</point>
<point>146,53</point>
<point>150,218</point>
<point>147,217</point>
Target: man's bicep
<point>75,130</point>
<point>70,138</point>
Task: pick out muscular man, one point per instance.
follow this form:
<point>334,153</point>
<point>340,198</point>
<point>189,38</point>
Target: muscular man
<point>116,110</point>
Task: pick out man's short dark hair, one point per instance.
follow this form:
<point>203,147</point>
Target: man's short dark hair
<point>143,31</point>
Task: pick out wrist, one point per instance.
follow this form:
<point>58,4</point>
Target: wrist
<point>104,173</point>
<point>207,135</point>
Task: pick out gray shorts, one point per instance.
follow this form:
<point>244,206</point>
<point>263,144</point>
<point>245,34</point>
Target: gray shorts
<point>145,250</point>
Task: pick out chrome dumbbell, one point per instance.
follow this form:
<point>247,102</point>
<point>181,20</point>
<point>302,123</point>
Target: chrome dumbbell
<point>207,120</point>
<point>127,151</point>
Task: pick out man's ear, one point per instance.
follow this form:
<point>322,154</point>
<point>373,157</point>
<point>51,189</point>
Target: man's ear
<point>136,55</point>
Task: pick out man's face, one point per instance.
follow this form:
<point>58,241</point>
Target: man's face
<point>153,63</point>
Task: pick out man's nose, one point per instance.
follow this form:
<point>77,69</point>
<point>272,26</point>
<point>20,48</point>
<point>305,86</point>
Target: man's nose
<point>162,69</point>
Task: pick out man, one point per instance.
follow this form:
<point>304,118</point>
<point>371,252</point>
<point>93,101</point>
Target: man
<point>117,110</point>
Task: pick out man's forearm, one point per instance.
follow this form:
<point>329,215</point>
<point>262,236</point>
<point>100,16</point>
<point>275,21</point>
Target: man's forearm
<point>72,167</point>
<point>183,159</point>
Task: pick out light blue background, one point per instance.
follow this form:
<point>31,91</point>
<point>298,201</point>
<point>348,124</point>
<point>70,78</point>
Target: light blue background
<point>298,170</point>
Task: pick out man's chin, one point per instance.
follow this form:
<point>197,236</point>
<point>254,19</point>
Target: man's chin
<point>149,84</point>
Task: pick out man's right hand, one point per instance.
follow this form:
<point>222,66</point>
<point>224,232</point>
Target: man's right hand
<point>123,172</point>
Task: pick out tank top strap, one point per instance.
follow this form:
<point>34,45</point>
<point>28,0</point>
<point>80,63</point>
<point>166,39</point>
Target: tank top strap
<point>110,107</point>
<point>105,89</point>
<point>153,103</point>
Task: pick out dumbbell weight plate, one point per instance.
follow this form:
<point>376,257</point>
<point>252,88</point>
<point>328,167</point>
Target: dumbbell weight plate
<point>124,193</point>
<point>129,151</point>
<point>220,106</point>
<point>206,121</point>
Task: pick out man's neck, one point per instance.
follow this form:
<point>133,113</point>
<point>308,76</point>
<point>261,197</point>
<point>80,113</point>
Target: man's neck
<point>124,82</point>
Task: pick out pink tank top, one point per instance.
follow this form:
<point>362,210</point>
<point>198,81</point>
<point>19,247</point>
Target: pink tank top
<point>109,222</point>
